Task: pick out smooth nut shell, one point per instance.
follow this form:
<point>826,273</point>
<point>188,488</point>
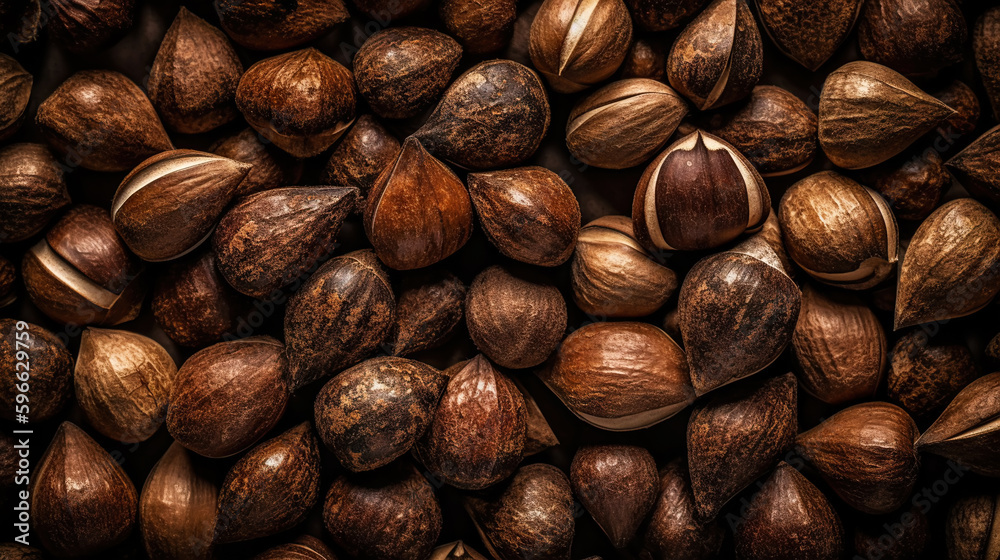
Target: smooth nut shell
<point>361,156</point>
<point>976,166</point>
<point>177,508</point>
<point>271,167</point>
<point>986,46</point>
<point>674,532</point>
<point>481,26</point>
<point>968,431</point>
<point>912,186</point>
<point>428,312</point>
<point>913,37</point>
<point>277,25</point>
<point>15,92</point>
<point>85,25</point>
<point>32,190</point>
<point>618,484</point>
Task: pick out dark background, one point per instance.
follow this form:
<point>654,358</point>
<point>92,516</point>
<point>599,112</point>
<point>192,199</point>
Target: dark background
<point>600,192</point>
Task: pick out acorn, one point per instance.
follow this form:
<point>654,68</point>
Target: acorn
<point>986,46</point>
<point>646,58</point>
<point>514,319</point>
<point>976,166</point>
<point>32,191</point>
<point>177,508</point>
<point>105,101</point>
<point>620,376</point>
<point>82,502</point>
<point>227,396</point>
<point>428,311</point>
<point>85,25</point>
<point>718,58</point>
<point>361,156</point>
<point>866,454</point>
<point>808,33</point>
<point>967,431</point>
<point>15,92</point>
<point>50,370</point>
<point>952,265</point>
<point>271,488</point>
<point>481,27</point>
<point>374,412</point>
<point>492,116</point>
<point>963,100</point>
<point>913,37</point>
<point>271,25</point>
<point>528,213</point>
<point>271,167</point>
<point>674,530</point>
<point>618,484</point>
<point>972,527</point>
<point>911,186</point>
<point>923,377</point>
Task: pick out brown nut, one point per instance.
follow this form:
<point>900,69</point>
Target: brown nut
<point>913,37</point>
<point>986,45</point>
<point>516,321</point>
<point>15,92</point>
<point>49,375</point>
<point>271,167</point>
<point>674,530</point>
<point>646,58</point>
<point>481,26</point>
<point>910,530</point>
<point>306,547</point>
<point>661,15</point>
<point>912,186</point>
<point>32,190</point>
<point>85,25</point>
<point>275,25</point>
<point>972,529</point>
<point>8,279</point>
<point>528,213</point>
<point>177,508</point>
<point>20,21</point>
<point>457,550</point>
<point>718,58</point>
<point>618,485</point>
<point>976,167</point>
<point>968,431</point>
<point>428,311</point>
<point>963,100</point>
<point>924,377</point>
<point>303,101</point>
<point>808,32</point>
<point>365,151</point>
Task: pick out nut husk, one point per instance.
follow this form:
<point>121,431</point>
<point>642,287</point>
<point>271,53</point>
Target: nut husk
<point>82,502</point>
<point>227,396</point>
<point>428,311</point>
<point>952,265</point>
<point>674,532</point>
<point>272,238</point>
<point>15,92</point>
<point>32,190</point>
<point>361,156</point>
<point>986,45</point>
<point>493,115</point>
<point>50,371</point>
<point>618,484</point>
<point>418,211</point>
<point>528,213</point>
<point>968,431</point>
<point>101,120</point>
<point>509,524</point>
<point>400,71</point>
<point>972,530</point>
<point>869,113</point>
<point>866,454</point>
<point>624,123</point>
<point>481,26</point>
<point>912,37</point>
<point>86,25</point>
<point>194,76</point>
<point>374,412</point>
<point>718,58</point>
<point>912,186</point>
<point>123,382</point>
<point>271,167</point>
<point>276,24</point>
<point>339,315</point>
<point>177,508</point>
<point>620,376</point>
<point>738,436</point>
<point>514,319</point>
<point>840,347</point>
<point>976,167</point>
<point>924,377</point>
<point>271,488</point>
<point>303,101</point>
<point>808,32</point>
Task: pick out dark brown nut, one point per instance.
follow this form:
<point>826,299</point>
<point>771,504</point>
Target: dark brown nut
<point>910,532</point>
<point>738,311</point>
<point>775,130</point>
<point>509,524</point>
<point>977,167</point>
<point>365,151</point>
<point>85,25</point>
<point>840,347</point>
<point>302,101</point>
<point>401,71</point>
<point>866,454</point>
<point>913,37</point>
<point>271,488</point>
<point>227,396</point>
<point>808,32</point>
<point>49,370</point>
<point>374,412</point>
<point>538,435</point>
<point>613,276</point>
<point>516,321</point>
<point>428,311</point>
<point>272,238</point>
<point>986,45</point>
<point>193,303</point>
<point>718,58</point>
<point>177,508</point>
<point>391,10</point>
<point>102,121</point>
<point>271,167</point>
<point>841,233</point>
<point>698,194</point>
<point>480,26</point>
<point>82,502</point>
<point>305,547</point>
<point>340,315</point>
<point>123,382</point>
<point>924,377</point>
<point>528,213</point>
<point>869,113</point>
<point>618,484</point>
<point>576,45</point>
<point>81,272</point>
<point>623,124</point>
<point>8,279</point>
<point>952,265</point>
<point>457,550</point>
<point>494,115</point>
<point>32,190</point>
<point>270,25</point>
<point>384,515</point>
<point>968,431</point>
<point>193,79</point>
<point>15,92</point>
<point>20,21</point>
<point>168,204</point>
<point>620,376</point>
<point>973,527</point>
<point>17,551</point>
<point>912,186</point>
<point>8,468</point>
<point>674,532</point>
<point>963,100</point>
<point>789,518</point>
<point>477,434</point>
<point>661,15</point>
<point>418,211</point>
<point>646,58</point>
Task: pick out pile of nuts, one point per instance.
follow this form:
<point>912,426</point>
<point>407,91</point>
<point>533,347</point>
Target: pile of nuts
<point>309,280</point>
